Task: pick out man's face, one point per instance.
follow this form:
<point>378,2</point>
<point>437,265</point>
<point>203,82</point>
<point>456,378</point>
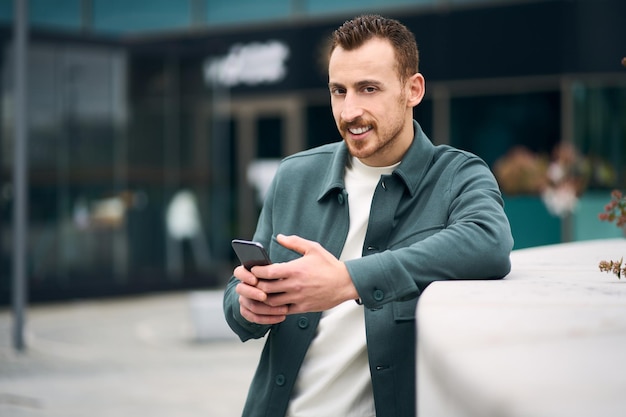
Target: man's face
<point>373,110</point>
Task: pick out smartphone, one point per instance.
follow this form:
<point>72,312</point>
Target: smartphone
<point>250,253</point>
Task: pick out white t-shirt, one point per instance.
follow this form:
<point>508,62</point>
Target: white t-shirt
<point>334,379</point>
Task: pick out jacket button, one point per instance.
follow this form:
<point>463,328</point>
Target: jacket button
<point>378,295</point>
<point>280,380</point>
<point>303,322</point>
<point>340,198</point>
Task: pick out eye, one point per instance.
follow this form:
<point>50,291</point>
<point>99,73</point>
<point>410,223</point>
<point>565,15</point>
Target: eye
<point>370,89</point>
<point>337,91</point>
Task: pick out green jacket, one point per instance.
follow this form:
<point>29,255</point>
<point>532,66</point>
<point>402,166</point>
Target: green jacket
<point>438,216</point>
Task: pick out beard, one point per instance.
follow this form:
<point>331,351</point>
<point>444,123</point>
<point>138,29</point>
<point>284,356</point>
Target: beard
<point>379,141</point>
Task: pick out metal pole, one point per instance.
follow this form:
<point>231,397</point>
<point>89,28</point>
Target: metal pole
<point>20,174</point>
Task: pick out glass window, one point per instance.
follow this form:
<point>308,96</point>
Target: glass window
<point>219,11</point>
<point>6,11</point>
<point>321,128</point>
<point>58,13</point>
<point>270,134</point>
<point>491,125</point>
<point>121,16</point>
<point>600,126</point>
<point>423,114</point>
<point>472,1</point>
<point>77,201</point>
<point>358,6</point>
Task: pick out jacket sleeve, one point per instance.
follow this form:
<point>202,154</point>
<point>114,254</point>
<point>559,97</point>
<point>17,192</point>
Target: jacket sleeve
<point>474,243</point>
<point>242,327</point>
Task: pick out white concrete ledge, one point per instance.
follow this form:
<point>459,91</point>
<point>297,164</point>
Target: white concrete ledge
<point>548,340</point>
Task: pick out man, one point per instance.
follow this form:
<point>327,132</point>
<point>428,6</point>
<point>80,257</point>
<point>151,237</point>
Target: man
<point>374,218</point>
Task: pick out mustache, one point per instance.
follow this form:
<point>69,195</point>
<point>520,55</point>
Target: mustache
<point>355,123</point>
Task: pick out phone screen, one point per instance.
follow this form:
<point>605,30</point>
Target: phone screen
<point>250,253</point>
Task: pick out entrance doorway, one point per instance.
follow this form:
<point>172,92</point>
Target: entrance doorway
<point>266,130</point>
<point>256,133</point>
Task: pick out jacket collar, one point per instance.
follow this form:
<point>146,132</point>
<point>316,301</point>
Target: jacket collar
<point>411,170</point>
<point>417,160</point>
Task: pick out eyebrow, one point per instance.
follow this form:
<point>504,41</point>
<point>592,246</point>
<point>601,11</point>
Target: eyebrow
<point>334,85</point>
<point>359,84</point>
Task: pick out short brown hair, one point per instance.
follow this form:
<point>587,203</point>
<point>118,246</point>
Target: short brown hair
<point>354,33</point>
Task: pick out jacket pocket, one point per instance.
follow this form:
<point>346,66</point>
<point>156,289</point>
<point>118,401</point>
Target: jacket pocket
<point>279,253</point>
<point>404,310</point>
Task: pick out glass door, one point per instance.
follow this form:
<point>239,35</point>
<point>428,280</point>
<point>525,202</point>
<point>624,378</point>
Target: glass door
<point>267,130</point>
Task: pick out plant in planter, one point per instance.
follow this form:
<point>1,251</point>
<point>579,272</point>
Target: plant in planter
<point>567,178</point>
<point>614,211</point>
<point>559,180</point>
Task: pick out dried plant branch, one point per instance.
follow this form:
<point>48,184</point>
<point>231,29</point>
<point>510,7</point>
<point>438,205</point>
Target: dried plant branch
<point>614,211</point>
<point>613,266</point>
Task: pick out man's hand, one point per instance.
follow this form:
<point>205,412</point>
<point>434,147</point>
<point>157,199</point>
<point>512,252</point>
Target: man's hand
<point>252,300</point>
<point>315,282</point>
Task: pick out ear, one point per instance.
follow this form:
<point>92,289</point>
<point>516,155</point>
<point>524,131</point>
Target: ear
<point>416,86</point>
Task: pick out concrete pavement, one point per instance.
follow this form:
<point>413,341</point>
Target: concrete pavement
<point>138,356</point>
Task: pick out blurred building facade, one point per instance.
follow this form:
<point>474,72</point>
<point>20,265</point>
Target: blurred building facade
<point>146,117</point>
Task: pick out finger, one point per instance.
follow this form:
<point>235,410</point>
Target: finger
<point>262,309</point>
<point>260,319</point>
<point>260,313</point>
<point>251,292</point>
<point>296,243</point>
<point>245,276</point>
<point>273,279</point>
<point>281,299</point>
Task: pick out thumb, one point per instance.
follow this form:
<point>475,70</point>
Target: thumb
<point>295,243</point>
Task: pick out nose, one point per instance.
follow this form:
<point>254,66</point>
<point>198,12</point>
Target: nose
<point>351,109</point>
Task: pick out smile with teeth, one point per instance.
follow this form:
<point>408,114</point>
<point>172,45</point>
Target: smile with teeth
<point>359,130</point>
